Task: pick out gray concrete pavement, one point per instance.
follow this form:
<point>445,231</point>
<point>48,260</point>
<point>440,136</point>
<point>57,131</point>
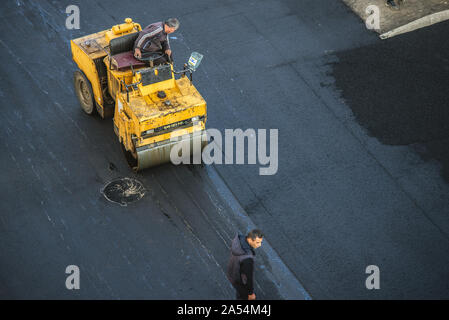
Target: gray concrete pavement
<point>410,15</point>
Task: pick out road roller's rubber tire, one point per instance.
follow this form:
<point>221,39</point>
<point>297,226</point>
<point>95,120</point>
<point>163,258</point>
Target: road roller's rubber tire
<point>83,90</point>
<point>132,161</point>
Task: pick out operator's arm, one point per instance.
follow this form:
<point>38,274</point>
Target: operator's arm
<point>138,43</point>
<point>246,274</point>
<point>138,46</point>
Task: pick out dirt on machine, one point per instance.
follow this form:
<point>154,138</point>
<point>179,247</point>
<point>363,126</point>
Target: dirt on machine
<point>154,107</point>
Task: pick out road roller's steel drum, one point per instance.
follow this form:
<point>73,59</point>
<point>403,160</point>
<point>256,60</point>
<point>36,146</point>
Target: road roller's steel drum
<point>150,156</point>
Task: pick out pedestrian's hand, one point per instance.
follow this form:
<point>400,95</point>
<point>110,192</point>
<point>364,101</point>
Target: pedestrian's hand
<point>252,296</point>
<point>168,52</point>
<point>138,53</point>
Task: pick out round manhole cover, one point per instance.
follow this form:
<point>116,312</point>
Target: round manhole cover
<point>124,191</point>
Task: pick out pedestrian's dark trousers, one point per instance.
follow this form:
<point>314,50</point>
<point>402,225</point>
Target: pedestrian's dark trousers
<point>241,292</point>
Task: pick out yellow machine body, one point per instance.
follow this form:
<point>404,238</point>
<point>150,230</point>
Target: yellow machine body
<point>151,107</point>
<point>88,53</point>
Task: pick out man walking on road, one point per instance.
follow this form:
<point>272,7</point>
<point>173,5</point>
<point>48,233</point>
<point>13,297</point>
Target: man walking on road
<point>240,271</point>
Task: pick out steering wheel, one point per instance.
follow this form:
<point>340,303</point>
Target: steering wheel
<point>151,56</point>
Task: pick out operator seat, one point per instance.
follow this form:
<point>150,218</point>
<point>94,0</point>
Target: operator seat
<point>121,50</point>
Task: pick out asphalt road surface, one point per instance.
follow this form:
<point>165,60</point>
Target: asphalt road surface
<point>362,157</point>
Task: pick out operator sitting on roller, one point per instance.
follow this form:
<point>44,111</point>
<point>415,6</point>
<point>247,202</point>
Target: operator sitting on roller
<point>154,39</point>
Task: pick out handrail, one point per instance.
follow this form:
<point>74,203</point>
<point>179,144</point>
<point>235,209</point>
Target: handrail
<point>127,86</point>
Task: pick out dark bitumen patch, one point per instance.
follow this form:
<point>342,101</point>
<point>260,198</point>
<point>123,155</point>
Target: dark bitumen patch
<point>398,90</point>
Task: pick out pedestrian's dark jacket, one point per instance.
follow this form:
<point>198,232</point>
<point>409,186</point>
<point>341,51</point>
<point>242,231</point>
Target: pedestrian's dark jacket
<point>240,271</point>
<point>152,39</point>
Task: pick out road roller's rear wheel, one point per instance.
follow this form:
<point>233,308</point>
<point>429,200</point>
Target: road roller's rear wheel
<point>83,90</point>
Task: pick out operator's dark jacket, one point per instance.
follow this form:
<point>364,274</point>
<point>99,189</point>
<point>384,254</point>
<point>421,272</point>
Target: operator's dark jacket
<point>240,271</point>
<point>152,39</point>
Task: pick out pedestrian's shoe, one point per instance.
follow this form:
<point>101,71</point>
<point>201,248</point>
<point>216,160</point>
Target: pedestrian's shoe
<point>392,5</point>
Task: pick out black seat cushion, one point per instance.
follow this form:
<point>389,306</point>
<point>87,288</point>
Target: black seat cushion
<point>123,43</point>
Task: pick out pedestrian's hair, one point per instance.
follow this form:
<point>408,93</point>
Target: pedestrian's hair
<point>172,23</point>
<point>255,233</point>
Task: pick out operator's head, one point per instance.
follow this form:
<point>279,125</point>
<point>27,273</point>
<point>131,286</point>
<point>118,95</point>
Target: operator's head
<point>254,238</point>
<point>171,25</point>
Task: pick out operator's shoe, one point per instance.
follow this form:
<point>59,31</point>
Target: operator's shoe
<point>392,5</point>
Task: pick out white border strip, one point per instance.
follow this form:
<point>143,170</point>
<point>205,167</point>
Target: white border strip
<point>417,24</point>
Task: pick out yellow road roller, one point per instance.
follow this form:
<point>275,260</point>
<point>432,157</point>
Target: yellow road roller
<point>153,107</point>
